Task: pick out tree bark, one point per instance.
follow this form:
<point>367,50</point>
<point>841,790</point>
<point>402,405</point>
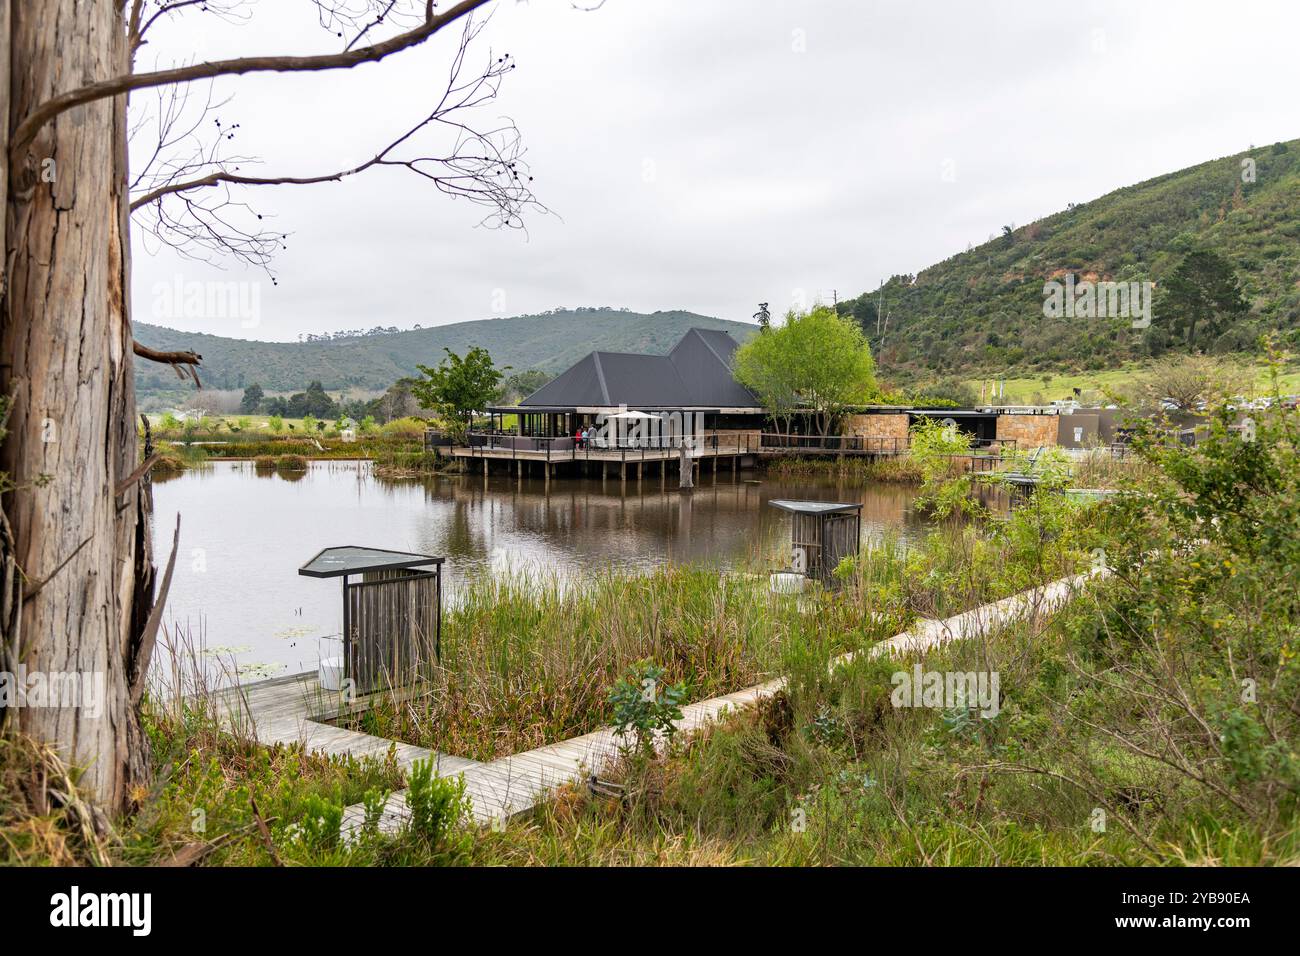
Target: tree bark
<point>80,543</point>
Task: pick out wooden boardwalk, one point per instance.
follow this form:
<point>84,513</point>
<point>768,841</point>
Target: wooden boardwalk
<point>515,784</point>
<point>926,635</point>
<point>289,710</point>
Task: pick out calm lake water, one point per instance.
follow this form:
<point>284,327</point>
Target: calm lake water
<point>237,589</point>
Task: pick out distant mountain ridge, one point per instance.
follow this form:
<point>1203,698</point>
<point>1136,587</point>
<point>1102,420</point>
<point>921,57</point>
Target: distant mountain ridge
<point>550,342</point>
<point>982,310</point>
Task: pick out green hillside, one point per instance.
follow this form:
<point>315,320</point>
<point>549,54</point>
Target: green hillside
<point>982,310</point>
<point>550,342</point>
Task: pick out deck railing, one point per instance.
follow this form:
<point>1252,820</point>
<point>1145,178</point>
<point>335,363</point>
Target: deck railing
<point>843,444</point>
<point>627,449</point>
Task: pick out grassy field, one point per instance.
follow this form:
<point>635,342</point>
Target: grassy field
<point>228,425</point>
<point>396,448</point>
<point>1094,385</point>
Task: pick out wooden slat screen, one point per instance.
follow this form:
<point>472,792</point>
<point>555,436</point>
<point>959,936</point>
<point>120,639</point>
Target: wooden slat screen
<point>392,620</point>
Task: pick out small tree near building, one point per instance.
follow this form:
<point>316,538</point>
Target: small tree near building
<point>817,362</point>
<point>458,387</point>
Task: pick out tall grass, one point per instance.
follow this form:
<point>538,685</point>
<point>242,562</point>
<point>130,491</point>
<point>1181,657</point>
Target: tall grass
<point>528,661</point>
<point>856,468</point>
<point>1099,468</point>
<point>314,447</point>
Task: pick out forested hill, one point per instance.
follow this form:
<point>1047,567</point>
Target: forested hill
<point>550,342</point>
<point>982,311</point>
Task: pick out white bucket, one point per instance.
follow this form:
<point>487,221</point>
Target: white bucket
<point>331,673</point>
<point>786,582</point>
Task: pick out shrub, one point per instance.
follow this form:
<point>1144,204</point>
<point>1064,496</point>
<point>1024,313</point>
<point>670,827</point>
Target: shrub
<point>438,805</point>
<point>373,803</point>
<point>945,485</point>
<point>404,426</point>
<point>644,706</point>
<point>318,827</point>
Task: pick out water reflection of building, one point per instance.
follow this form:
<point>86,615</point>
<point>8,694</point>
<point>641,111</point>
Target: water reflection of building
<point>637,524</point>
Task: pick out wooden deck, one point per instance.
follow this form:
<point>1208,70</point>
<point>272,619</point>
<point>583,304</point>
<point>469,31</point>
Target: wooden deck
<point>622,464</point>
<point>289,710</point>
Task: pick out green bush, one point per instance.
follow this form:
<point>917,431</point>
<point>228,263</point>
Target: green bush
<point>934,448</point>
<point>644,707</point>
<point>438,806</point>
<point>404,426</point>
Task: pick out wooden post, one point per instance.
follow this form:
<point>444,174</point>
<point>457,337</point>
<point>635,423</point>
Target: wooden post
<point>685,469</point>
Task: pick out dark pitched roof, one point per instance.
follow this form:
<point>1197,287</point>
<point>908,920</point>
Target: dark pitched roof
<point>703,360</point>
<point>697,372</point>
<point>581,384</point>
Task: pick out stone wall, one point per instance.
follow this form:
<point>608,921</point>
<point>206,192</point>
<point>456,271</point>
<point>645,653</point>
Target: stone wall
<point>729,438</point>
<point>883,428</point>
<point>1028,431</point>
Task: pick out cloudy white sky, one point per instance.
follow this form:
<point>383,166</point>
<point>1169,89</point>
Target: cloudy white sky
<point>711,154</point>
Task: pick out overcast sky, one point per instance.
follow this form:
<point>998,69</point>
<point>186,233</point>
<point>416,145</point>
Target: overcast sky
<point>711,154</point>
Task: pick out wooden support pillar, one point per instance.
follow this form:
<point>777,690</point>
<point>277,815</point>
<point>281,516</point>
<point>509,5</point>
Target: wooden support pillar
<point>685,469</point>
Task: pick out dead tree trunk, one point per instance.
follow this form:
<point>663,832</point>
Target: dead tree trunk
<point>685,468</point>
<point>76,530</point>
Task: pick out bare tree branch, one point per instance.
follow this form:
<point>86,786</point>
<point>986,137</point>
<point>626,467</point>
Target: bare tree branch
<point>185,363</point>
<point>26,130</point>
<point>485,167</point>
<point>139,24</point>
